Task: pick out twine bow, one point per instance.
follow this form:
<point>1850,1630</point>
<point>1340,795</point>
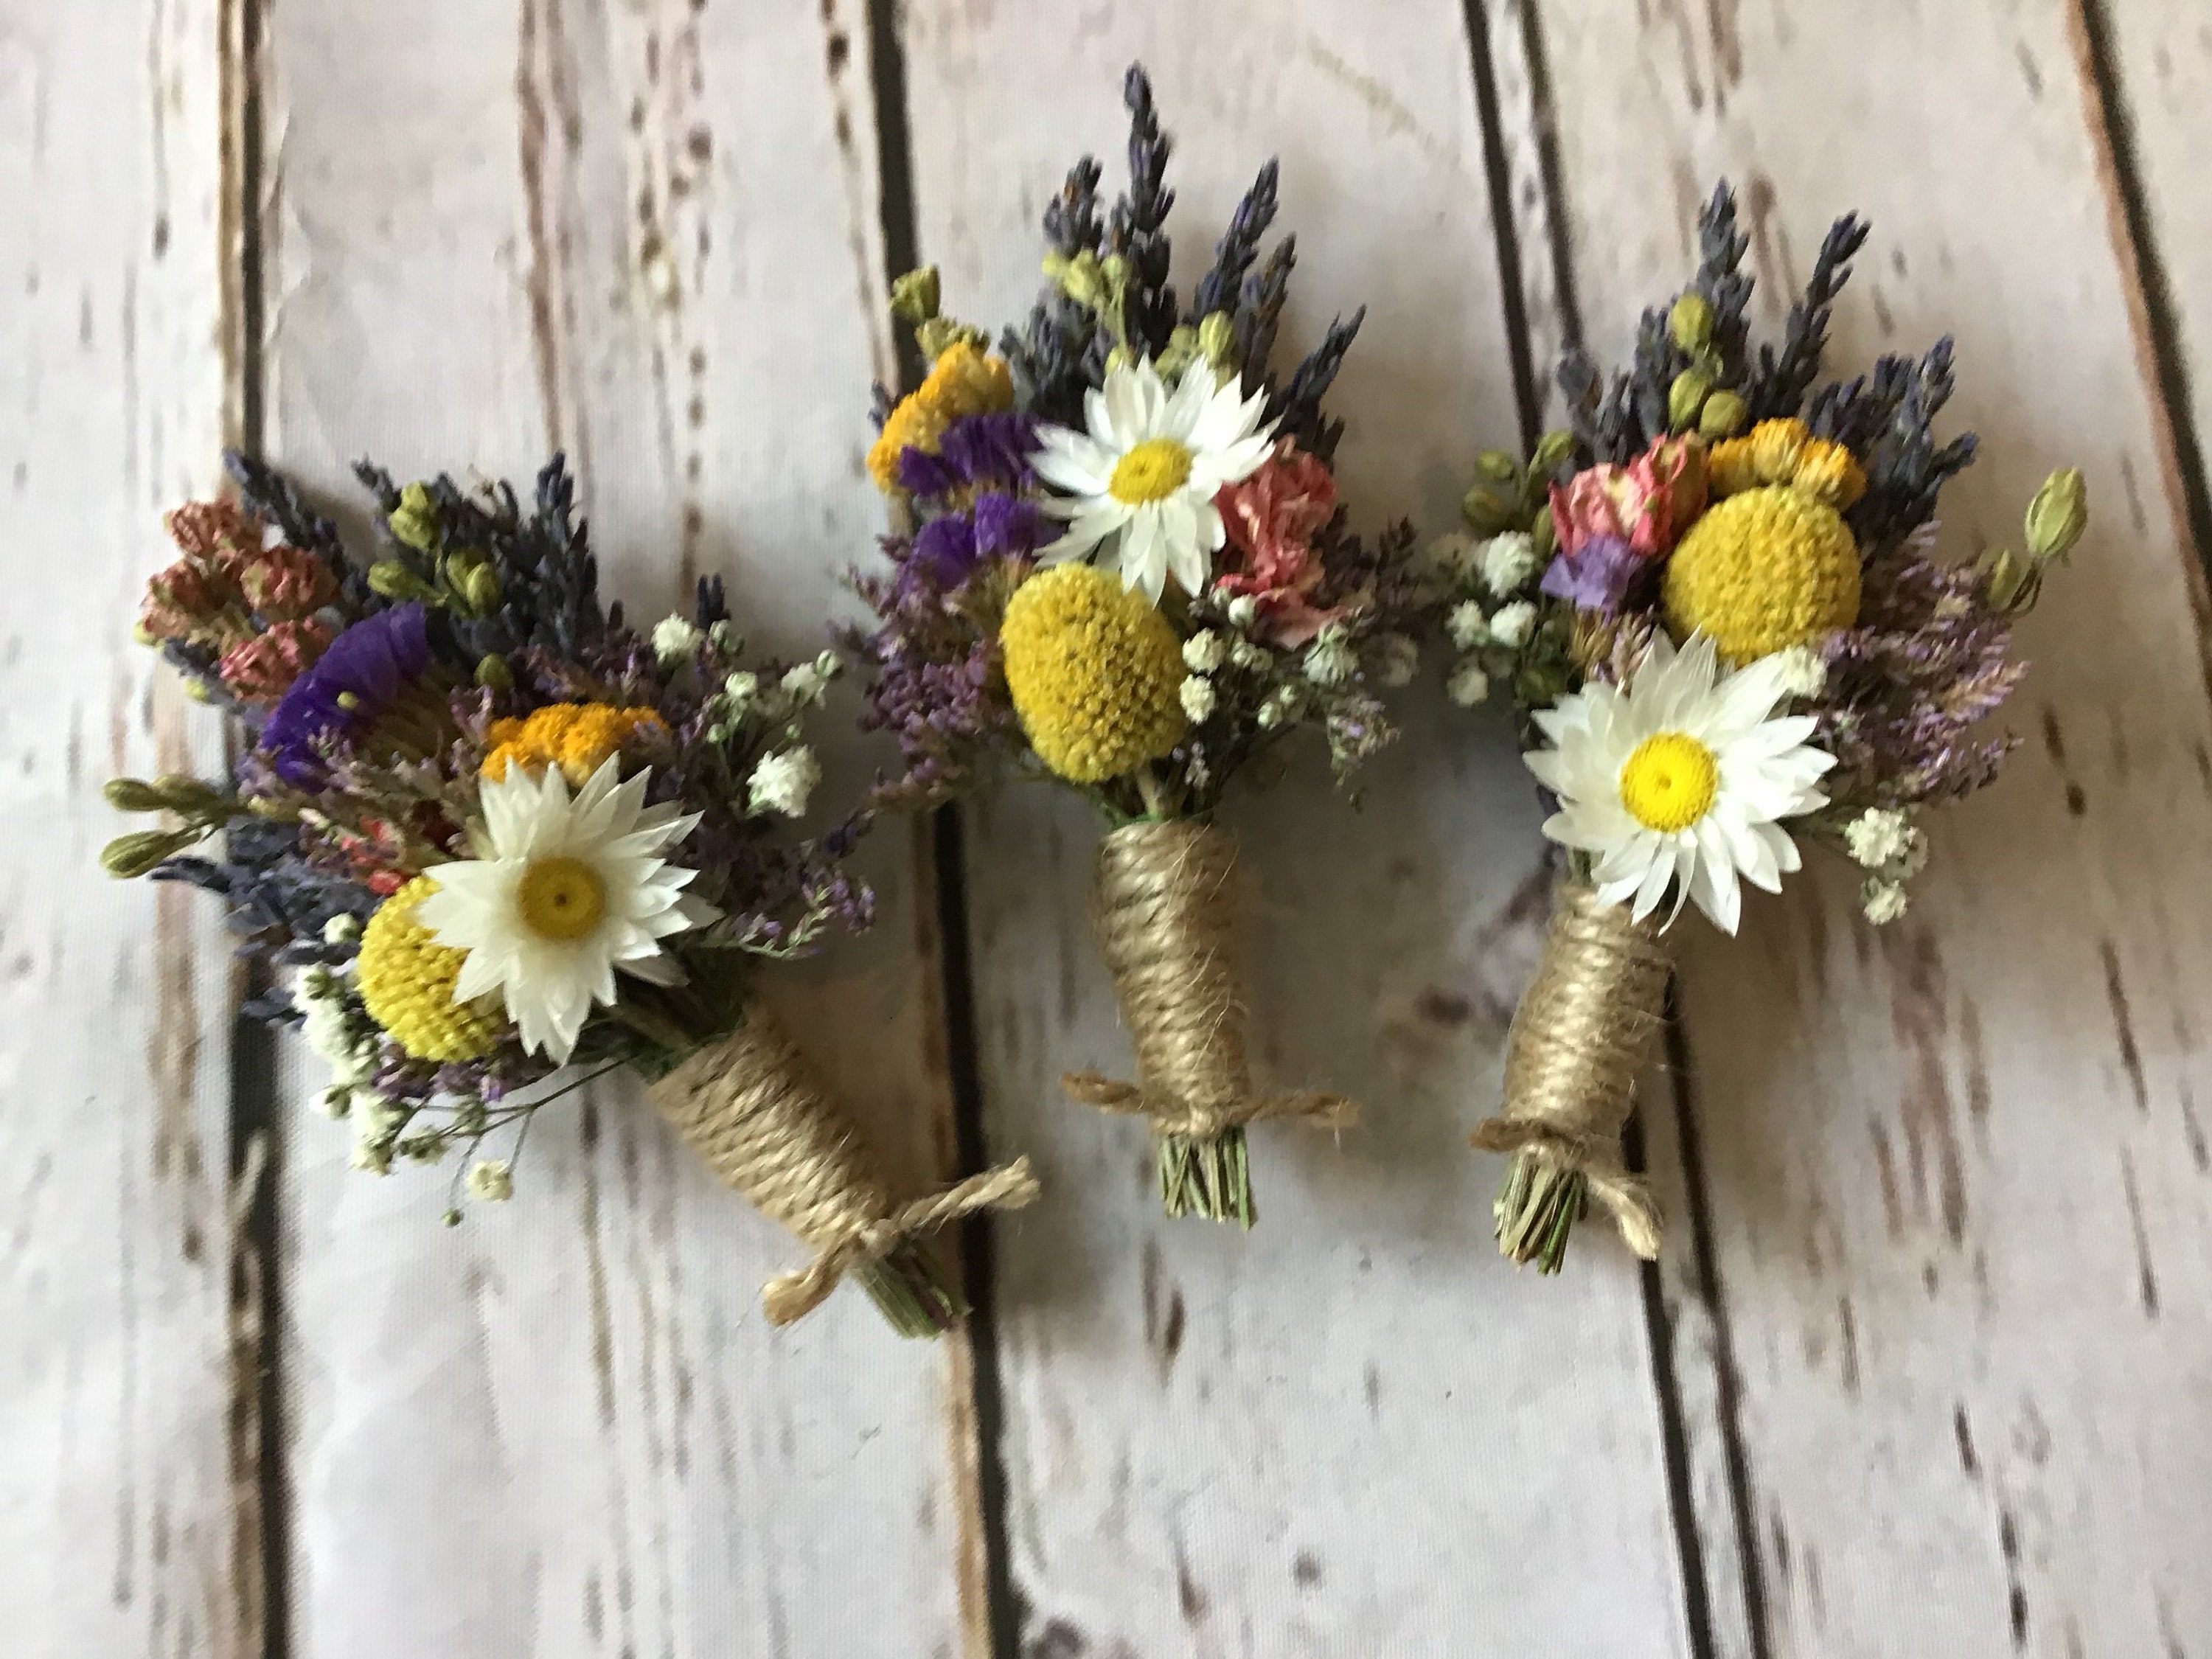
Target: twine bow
<point>1590,1023</point>
<point>750,1106</point>
<point>1167,927</point>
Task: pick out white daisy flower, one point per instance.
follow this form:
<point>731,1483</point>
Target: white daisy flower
<point>563,894</point>
<point>1143,477</point>
<point>1681,779</point>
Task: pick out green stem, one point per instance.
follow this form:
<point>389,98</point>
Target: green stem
<point>1536,1209</point>
<point>1211,1178</point>
<point>913,1292</point>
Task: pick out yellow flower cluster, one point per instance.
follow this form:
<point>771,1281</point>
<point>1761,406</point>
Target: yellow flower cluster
<point>1096,672</point>
<point>1761,571</point>
<point>407,982</point>
<point>1786,452</point>
<point>963,381</point>
<point>576,737</point>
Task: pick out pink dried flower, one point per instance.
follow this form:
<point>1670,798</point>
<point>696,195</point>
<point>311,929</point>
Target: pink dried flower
<point>186,600</point>
<point>1271,519</point>
<point>287,583</point>
<point>261,669</point>
<point>215,532</point>
<point>1645,504</point>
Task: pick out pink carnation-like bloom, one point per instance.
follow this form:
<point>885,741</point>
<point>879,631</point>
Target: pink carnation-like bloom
<point>261,670</point>
<point>1646,504</point>
<point>187,599</point>
<point>287,583</point>
<point>1271,519</point>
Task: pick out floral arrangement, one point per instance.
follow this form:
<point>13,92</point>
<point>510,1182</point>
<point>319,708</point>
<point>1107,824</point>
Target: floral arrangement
<point>500,834</point>
<point>1716,603</point>
<point>1121,565</point>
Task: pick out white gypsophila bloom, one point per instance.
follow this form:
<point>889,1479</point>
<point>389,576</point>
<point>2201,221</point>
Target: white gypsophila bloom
<point>742,690</point>
<point>1468,685</point>
<point>1877,837</point>
<point>333,1033</point>
<point>561,896</point>
<point>1139,484</point>
<point>1396,659</point>
<point>334,1101</point>
<point>1511,624</point>
<point>1243,611</point>
<point>491,1180</point>
<point>725,637</point>
<point>1198,699</point>
<point>1281,704</point>
<point>1454,554</point>
<point>1330,659</point>
<point>1884,901</point>
<point>806,683</point>
<point>782,783</point>
<point>1466,626</point>
<point>1804,671</point>
<point>1202,652</point>
<point>1680,778</point>
<point>1249,657</point>
<point>376,1121</point>
<point>1508,561</point>
<point>675,640</point>
<point>341,929</point>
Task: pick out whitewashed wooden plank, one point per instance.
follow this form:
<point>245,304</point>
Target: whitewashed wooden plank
<point>1354,1430</point>
<point>646,232</point>
<point>1955,1173</point>
<point>120,1530</point>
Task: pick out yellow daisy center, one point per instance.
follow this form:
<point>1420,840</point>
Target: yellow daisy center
<point>1669,782</point>
<point>561,898</point>
<point>1151,472</point>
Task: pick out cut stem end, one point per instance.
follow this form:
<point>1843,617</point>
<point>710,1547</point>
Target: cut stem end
<point>1211,1178</point>
<point>1536,1209</point>
<point>914,1292</point>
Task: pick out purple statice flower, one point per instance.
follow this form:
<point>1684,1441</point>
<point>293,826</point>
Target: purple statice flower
<point>345,689</point>
<point>987,450</point>
<point>1598,576</point>
<point>947,548</point>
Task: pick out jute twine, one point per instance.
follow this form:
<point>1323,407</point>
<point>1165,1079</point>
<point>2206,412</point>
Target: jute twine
<point>749,1105</point>
<point>1164,910</point>
<point>1590,1023</point>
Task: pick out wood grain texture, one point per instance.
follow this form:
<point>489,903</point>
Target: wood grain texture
<point>118,1514</point>
<point>645,234</point>
<point>1354,1430</point>
<point>1956,1173</point>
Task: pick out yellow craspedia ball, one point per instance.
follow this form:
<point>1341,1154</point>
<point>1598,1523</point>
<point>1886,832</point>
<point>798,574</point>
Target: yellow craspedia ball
<point>406,980</point>
<point>1762,571</point>
<point>1096,672</point>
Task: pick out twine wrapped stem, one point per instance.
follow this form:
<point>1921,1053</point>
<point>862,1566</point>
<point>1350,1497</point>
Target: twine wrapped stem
<point>1590,1022</point>
<point>749,1105</point>
<point>1165,912</point>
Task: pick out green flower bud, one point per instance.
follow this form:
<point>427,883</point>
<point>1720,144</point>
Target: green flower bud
<point>2009,583</point>
<point>1686,399</point>
<point>1489,514</point>
<point>2057,515</point>
<point>1543,537</point>
<point>1079,278</point>
<point>914,296</point>
<point>134,854</point>
<point>394,581</point>
<point>186,793</point>
<point>1217,340</point>
<point>1723,416</point>
<point>1180,351</point>
<point>1498,466</point>
<point>414,522</point>
<point>1690,323</point>
<point>1552,448</point>
<point>493,673</point>
<point>480,587</point>
<point>134,795</point>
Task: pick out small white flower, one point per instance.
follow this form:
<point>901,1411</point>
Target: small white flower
<point>1468,685</point>
<point>674,641</point>
<point>1330,660</point>
<point>1467,625</point>
<point>742,689</point>
<point>491,1180</point>
<point>1396,657</point>
<point>1508,561</point>
<point>1804,671</point>
<point>1203,650</point>
<point>1885,900</point>
<point>725,637</point>
<point>1879,835</point>
<point>805,684</point>
<point>332,1032</point>
<point>1511,624</point>
<point>341,930</point>
<point>1280,707</point>
<point>781,783</point>
<point>1454,554</point>
<point>1249,656</point>
<point>1197,698</point>
<point>1243,611</point>
<point>376,1123</point>
<point>336,1100</point>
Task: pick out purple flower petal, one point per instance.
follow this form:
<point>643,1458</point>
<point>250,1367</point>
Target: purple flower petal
<point>1598,576</point>
<point>347,687</point>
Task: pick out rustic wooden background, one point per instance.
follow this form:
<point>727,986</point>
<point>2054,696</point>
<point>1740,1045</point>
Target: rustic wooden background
<point>1928,1368</point>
